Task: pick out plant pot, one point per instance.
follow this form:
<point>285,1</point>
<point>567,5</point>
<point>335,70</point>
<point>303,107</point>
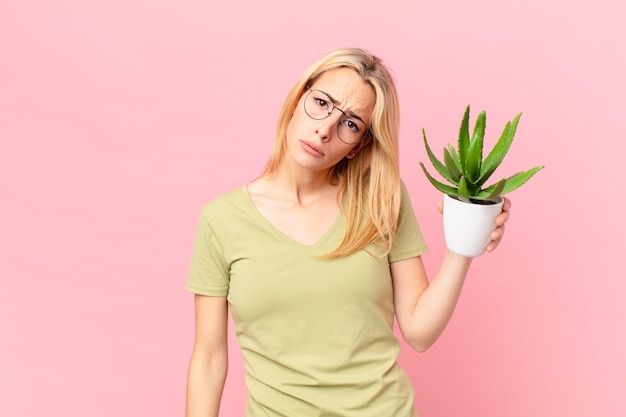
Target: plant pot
<point>467,226</point>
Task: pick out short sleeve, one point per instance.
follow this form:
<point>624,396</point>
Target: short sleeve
<point>209,270</point>
<point>409,241</point>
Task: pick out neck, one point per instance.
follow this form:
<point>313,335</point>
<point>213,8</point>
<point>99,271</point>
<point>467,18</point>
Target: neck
<point>301,185</point>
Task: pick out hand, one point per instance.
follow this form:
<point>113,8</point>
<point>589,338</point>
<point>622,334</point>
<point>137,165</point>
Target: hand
<point>496,235</point>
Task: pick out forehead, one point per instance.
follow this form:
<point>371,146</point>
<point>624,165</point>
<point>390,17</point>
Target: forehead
<point>349,90</point>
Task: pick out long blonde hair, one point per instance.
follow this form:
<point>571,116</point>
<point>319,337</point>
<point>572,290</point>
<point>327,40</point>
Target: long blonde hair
<point>370,181</point>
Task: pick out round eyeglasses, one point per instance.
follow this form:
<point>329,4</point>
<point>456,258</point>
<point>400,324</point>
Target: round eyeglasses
<point>318,105</point>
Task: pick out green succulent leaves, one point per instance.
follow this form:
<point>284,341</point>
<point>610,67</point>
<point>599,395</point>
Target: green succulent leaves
<point>466,171</point>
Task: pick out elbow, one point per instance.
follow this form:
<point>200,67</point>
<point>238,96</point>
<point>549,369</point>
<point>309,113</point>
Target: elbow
<point>419,346</point>
<point>420,343</point>
<point>420,336</point>
<point>219,369</point>
<point>214,366</point>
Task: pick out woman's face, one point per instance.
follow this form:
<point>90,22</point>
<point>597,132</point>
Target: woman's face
<point>315,144</point>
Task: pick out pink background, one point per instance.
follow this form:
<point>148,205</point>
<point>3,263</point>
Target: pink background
<point>120,119</point>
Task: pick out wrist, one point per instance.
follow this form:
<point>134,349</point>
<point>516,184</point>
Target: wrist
<point>456,258</point>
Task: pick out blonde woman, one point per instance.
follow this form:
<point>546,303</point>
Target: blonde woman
<point>315,257</point>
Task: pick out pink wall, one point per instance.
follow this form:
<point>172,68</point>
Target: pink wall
<point>119,119</point>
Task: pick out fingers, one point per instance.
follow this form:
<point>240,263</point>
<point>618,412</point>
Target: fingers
<point>506,204</point>
<point>440,206</point>
<point>496,237</point>
<point>503,217</point>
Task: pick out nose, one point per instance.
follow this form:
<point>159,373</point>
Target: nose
<point>326,127</point>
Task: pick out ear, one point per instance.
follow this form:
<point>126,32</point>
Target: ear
<point>362,144</point>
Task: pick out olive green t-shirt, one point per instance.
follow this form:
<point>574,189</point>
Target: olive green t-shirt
<point>316,334</point>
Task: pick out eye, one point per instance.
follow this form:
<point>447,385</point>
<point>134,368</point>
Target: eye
<point>352,125</point>
<point>322,103</point>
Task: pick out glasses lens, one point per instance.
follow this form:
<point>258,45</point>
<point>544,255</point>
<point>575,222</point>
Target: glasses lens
<point>318,106</point>
<point>350,130</point>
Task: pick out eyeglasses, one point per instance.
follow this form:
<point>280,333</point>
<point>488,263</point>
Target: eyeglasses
<point>350,129</point>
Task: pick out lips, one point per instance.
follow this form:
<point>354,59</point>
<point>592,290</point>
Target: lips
<point>312,149</point>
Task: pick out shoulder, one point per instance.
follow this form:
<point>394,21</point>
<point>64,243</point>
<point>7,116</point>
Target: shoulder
<point>405,198</point>
<point>227,210</point>
<point>226,201</point>
<point>227,213</point>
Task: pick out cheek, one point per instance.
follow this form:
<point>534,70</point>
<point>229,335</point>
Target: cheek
<point>295,125</point>
<point>340,150</point>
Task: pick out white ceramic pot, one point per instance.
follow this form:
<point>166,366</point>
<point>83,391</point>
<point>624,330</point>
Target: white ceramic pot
<point>467,227</point>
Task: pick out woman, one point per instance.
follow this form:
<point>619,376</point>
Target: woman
<point>316,256</point>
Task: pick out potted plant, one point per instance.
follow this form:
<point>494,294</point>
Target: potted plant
<point>470,207</point>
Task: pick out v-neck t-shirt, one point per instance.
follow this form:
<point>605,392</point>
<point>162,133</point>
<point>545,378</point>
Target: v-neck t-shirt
<point>316,334</point>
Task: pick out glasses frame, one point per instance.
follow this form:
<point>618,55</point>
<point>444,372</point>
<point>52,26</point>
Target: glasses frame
<point>308,93</point>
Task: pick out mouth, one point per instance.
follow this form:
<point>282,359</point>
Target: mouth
<point>312,149</point>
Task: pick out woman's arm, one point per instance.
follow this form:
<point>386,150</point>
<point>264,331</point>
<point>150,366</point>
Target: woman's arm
<point>423,309</point>
<point>209,361</point>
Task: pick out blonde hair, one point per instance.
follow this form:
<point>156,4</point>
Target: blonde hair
<point>370,181</point>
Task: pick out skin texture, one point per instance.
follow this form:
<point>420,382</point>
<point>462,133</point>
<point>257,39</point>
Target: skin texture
<point>209,360</point>
<point>318,138</point>
<point>301,200</point>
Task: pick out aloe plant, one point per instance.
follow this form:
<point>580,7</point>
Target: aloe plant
<point>465,169</point>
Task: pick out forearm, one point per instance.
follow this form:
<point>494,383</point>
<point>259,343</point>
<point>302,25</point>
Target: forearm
<point>205,385</point>
<point>434,307</point>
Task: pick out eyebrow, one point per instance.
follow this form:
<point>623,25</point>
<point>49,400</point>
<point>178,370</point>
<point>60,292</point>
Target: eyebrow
<point>349,112</point>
